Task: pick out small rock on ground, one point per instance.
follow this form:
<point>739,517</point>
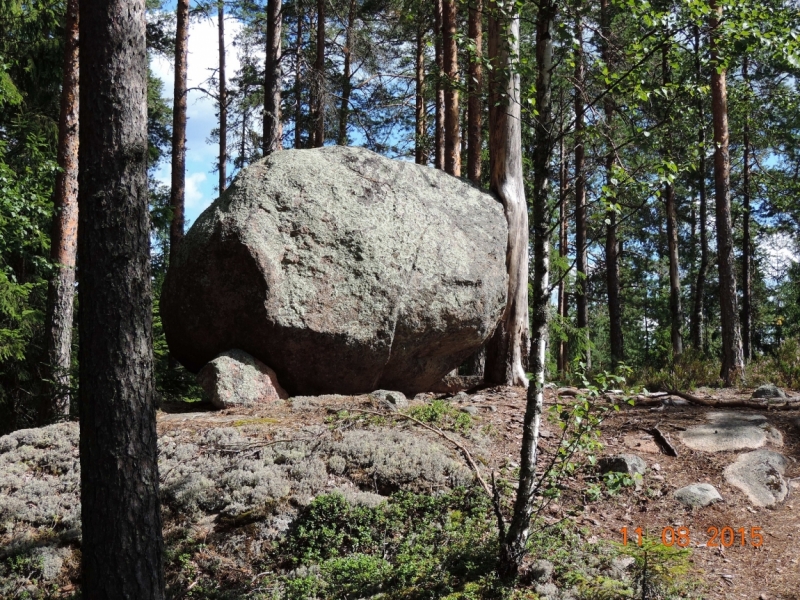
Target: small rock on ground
<point>698,495</point>
<point>623,463</point>
<point>768,391</point>
<point>391,399</point>
<point>234,378</point>
<point>759,475</point>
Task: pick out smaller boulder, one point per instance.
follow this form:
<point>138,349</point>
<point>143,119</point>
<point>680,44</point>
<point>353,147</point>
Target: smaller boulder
<point>623,463</point>
<point>392,400</point>
<point>234,378</point>
<point>769,391</point>
<point>698,495</point>
<point>470,410</point>
<point>760,475</point>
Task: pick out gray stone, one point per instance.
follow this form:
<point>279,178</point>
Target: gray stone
<point>698,495</point>
<point>541,570</point>
<point>470,410</point>
<point>769,391</point>
<point>235,378</point>
<point>623,463</point>
<point>727,431</point>
<point>342,270</point>
<point>391,400</point>
<point>461,397</point>
<point>759,475</point>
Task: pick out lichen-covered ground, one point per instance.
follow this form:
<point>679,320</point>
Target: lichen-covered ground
<point>338,497</point>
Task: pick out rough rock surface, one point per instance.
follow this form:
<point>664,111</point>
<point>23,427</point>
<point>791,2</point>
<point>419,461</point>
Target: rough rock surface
<point>768,391</point>
<point>730,430</point>
<point>235,378</point>
<point>391,400</point>
<point>698,495</point>
<point>759,475</point>
<point>623,463</point>
<point>342,270</point>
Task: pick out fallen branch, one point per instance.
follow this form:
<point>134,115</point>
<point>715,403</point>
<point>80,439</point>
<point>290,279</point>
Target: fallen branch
<point>714,402</point>
<point>440,433</point>
<point>662,441</point>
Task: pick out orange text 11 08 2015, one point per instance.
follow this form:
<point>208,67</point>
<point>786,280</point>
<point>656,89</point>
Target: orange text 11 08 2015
<point>716,537</point>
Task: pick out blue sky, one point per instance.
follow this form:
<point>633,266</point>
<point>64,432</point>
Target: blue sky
<point>201,156</point>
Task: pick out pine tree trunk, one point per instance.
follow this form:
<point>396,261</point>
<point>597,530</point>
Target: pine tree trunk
<point>513,543</point>
<point>223,102</point>
<point>319,79</point>
<point>612,243</point>
<point>475,87</point>
<point>581,262</point>
<point>122,545</point>
<point>732,355</point>
<point>178,191</point>
<point>697,324</point>
<point>452,125</point>
<point>273,127</point>
<point>64,241</point>
<point>439,126</point>
<point>506,350</point>
<point>298,81</point>
<point>347,51</point>
<point>747,293</point>
<point>420,124</point>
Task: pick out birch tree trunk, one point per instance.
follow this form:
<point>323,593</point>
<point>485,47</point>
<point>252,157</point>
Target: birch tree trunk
<point>122,544</point>
<point>64,241</point>
<point>506,350</point>
<point>223,102</point>
<point>563,242</point>
<point>475,87</point>
<point>747,293</point>
<point>273,128</point>
<point>581,262</point>
<point>732,355</point>
<point>513,543</point>
<point>452,125</point>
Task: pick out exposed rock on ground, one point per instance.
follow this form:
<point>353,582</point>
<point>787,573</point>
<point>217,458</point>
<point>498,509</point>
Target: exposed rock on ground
<point>623,463</point>
<point>391,400</point>
<point>342,270</point>
<point>235,378</point>
<point>759,475</point>
<point>769,391</point>
<point>727,431</point>
<point>698,495</point>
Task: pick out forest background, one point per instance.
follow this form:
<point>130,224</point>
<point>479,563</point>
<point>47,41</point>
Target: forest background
<point>629,150</point>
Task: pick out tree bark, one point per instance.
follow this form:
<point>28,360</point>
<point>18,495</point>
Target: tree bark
<point>122,545</point>
<point>223,101</point>
<point>563,242</point>
<point>298,81</point>
<point>675,308</point>
<point>439,126</point>
<point>64,241</point>
<point>513,546</point>
<point>732,355</point>
<point>319,79</point>
<point>178,191</point>
<point>420,124</point>
<point>475,87</point>
<point>347,51</point>
<point>697,324</point>
<point>506,350</point>
<point>581,283</point>
<point>452,125</point>
<point>612,243</point>
<point>747,293</point>
<point>273,127</point>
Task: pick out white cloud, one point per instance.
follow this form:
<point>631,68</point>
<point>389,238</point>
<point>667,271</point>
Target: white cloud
<point>195,198</point>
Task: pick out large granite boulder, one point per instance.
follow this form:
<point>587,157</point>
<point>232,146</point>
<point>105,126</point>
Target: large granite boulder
<point>343,271</point>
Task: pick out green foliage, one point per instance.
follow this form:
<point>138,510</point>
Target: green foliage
<point>782,367</point>
<point>442,414</point>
